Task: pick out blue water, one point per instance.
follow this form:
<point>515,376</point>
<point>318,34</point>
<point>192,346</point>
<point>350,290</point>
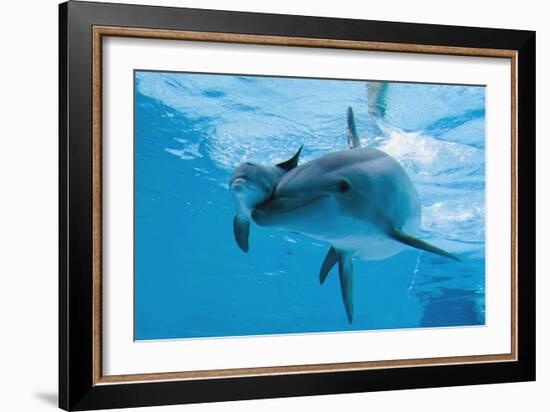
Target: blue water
<point>191,280</point>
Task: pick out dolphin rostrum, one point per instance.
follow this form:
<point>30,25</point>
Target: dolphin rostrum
<point>252,184</point>
<point>360,201</point>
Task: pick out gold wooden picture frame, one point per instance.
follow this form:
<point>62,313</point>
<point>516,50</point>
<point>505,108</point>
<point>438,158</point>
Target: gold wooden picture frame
<point>100,32</point>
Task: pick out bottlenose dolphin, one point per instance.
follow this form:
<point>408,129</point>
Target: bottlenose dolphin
<point>252,184</point>
<point>361,201</point>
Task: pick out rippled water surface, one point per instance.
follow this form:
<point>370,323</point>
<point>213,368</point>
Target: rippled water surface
<point>191,132</point>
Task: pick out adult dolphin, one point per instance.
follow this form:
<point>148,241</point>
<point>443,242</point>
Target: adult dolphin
<point>361,201</point>
<point>252,184</point>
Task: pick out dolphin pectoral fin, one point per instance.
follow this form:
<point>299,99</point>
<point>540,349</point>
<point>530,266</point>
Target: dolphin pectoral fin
<point>420,244</point>
<point>292,162</point>
<point>328,263</point>
<point>351,131</point>
<point>345,267</point>
<point>241,230</point>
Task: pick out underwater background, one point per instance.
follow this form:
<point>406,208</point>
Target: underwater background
<point>193,130</point>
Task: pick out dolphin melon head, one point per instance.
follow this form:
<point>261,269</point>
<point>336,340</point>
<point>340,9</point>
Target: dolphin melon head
<point>252,184</point>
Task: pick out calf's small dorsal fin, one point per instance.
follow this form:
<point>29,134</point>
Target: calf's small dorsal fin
<point>351,131</point>
<point>292,162</point>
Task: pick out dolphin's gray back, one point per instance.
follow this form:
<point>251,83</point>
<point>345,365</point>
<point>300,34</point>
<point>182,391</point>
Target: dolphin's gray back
<point>378,176</point>
<point>349,158</point>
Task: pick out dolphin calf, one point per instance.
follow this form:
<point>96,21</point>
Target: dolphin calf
<point>252,184</point>
<point>361,201</point>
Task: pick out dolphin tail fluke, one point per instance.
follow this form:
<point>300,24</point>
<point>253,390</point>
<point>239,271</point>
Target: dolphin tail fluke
<point>351,131</point>
<point>420,244</point>
<point>292,162</point>
<point>376,98</point>
<point>328,264</point>
<point>345,267</point>
<point>241,230</point>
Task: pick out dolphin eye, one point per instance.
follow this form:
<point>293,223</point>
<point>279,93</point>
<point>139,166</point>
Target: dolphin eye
<point>249,164</point>
<point>343,186</point>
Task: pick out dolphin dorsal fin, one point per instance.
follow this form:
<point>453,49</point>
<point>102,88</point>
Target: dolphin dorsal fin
<point>351,131</point>
<point>292,162</point>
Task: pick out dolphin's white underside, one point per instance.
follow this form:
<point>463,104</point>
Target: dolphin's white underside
<point>322,221</point>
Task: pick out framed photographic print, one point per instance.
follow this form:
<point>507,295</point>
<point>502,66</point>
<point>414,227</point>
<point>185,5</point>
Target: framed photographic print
<point>257,205</point>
